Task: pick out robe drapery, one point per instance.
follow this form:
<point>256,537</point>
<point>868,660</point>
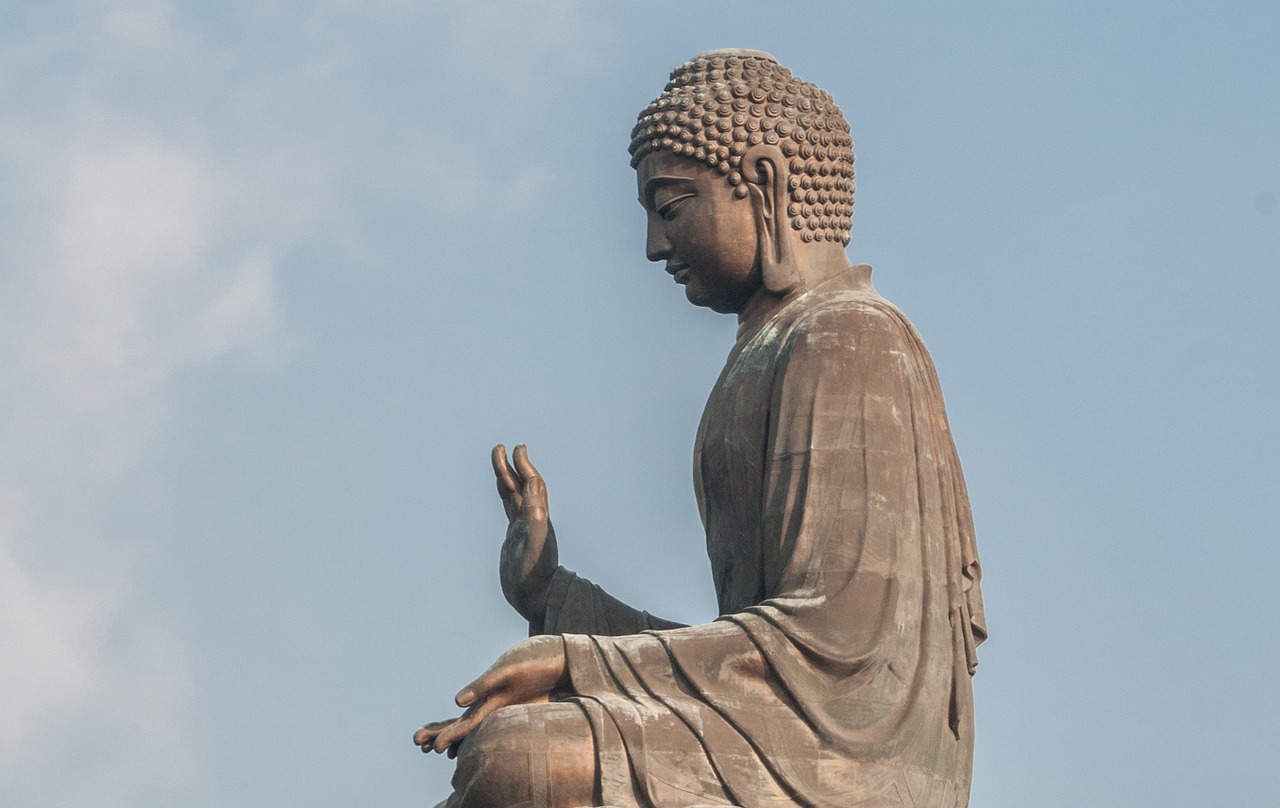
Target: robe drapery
<point>842,548</point>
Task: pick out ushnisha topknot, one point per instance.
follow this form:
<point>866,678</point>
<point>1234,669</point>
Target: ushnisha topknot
<point>722,102</point>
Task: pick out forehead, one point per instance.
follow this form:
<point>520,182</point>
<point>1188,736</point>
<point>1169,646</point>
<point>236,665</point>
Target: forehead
<point>662,164</point>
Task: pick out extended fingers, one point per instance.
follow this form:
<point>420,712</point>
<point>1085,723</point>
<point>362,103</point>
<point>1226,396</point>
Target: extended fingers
<point>507,477</point>
<point>508,483</point>
<point>452,735</point>
<point>521,458</point>
<point>425,737</point>
<point>477,698</point>
<point>478,689</point>
<point>484,686</point>
<point>502,469</point>
<point>534,491</point>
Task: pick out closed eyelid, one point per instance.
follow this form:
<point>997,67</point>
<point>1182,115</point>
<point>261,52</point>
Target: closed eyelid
<point>667,204</point>
<point>656,184</point>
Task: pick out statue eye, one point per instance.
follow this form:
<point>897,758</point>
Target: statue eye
<point>668,209</point>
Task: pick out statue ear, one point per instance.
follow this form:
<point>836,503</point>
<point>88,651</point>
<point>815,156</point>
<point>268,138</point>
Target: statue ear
<point>763,170</point>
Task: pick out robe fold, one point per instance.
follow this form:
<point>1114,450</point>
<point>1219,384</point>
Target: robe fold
<point>842,549</point>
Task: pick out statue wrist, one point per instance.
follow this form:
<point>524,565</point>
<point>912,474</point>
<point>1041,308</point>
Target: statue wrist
<point>536,610</point>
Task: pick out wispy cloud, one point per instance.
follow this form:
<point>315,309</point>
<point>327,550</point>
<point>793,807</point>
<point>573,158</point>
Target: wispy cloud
<point>130,262</point>
<point>130,279</point>
<point>143,231</point>
<point>85,663</point>
<point>51,637</point>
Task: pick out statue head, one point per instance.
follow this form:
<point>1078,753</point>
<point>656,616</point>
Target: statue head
<point>721,103</point>
<point>747,175</point>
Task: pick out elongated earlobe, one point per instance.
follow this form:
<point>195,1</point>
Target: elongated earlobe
<point>762,169</point>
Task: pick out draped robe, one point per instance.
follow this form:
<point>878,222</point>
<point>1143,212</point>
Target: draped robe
<point>841,544</point>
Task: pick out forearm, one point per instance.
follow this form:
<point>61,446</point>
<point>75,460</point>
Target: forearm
<point>577,606</point>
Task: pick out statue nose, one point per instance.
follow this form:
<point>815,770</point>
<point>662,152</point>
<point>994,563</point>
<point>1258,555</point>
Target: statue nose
<point>656,247</point>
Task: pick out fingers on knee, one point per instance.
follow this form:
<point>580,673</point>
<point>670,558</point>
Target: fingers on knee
<point>498,748</point>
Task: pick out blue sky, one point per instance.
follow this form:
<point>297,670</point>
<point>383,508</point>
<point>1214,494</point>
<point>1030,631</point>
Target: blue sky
<point>275,277</point>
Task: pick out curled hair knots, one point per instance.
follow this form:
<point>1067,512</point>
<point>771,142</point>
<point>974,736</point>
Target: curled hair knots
<point>720,103</point>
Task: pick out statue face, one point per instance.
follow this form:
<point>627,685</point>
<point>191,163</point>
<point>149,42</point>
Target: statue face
<point>705,234</point>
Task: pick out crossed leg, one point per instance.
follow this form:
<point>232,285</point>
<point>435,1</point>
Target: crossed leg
<point>527,756</point>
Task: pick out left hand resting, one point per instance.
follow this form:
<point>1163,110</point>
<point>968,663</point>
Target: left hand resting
<point>526,673</point>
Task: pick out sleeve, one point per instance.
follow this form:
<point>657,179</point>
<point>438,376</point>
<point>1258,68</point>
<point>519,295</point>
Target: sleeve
<point>838,504</point>
<point>859,624</point>
<point>838,523</point>
<point>841,480</point>
<point>577,606</point>
<point>853,639</point>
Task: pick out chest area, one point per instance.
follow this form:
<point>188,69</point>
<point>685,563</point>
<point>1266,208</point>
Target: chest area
<point>730,467</point>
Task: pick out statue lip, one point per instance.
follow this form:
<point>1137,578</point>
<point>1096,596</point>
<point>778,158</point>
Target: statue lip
<point>679,271</point>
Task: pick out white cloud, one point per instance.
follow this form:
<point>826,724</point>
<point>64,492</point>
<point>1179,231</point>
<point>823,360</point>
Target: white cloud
<point>244,315</point>
<point>134,225</point>
<point>137,275</point>
<point>133,258</point>
<point>141,280</point>
<point>144,245</point>
<point>50,639</point>
<point>69,652</point>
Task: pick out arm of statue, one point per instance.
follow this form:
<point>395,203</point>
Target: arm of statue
<point>528,672</point>
<point>553,599</point>
<point>530,556</point>
<point>577,606</point>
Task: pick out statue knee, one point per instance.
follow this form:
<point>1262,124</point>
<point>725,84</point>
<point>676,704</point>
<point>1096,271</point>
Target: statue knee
<point>493,760</point>
<point>540,754</point>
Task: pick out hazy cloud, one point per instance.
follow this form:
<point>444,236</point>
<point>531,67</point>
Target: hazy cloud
<point>144,232</point>
<point>135,282</point>
<point>130,261</point>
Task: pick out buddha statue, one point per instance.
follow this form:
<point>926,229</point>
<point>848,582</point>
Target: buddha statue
<point>837,522</point>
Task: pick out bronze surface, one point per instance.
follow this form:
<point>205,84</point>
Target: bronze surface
<point>836,516</point>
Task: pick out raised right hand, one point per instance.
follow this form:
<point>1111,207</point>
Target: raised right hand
<point>529,554</point>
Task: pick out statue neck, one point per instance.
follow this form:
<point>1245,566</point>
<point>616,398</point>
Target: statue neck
<point>818,263</point>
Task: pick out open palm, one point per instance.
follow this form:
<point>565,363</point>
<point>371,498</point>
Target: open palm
<point>529,554</point>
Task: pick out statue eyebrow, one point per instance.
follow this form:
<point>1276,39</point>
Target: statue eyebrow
<point>656,182</point>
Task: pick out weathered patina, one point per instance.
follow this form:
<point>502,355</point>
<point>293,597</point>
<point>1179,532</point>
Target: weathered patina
<point>837,522</point>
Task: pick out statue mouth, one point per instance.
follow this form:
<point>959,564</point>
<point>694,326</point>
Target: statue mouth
<point>680,272</point>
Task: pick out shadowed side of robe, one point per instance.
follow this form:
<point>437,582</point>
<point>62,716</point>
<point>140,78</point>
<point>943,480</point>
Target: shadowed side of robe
<point>842,549</point>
